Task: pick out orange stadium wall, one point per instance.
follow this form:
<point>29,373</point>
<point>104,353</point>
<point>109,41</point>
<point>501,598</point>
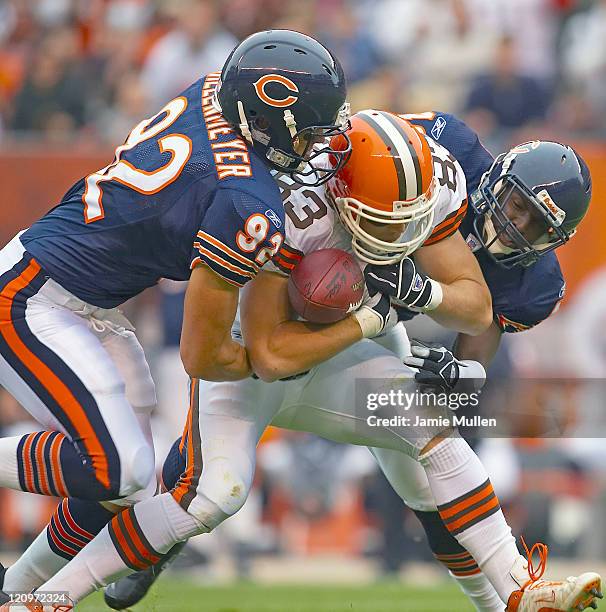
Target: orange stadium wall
<point>33,179</point>
<point>587,250</point>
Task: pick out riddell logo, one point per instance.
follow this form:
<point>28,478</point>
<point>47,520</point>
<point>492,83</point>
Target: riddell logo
<point>276,78</point>
<point>558,214</point>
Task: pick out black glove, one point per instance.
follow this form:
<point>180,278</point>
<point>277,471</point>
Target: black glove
<point>438,367</point>
<point>405,285</point>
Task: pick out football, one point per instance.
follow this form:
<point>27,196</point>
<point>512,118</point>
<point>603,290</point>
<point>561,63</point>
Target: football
<point>325,286</point>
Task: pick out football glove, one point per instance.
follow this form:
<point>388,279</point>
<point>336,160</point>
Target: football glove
<point>438,367</point>
<point>376,315</point>
<point>405,285</point>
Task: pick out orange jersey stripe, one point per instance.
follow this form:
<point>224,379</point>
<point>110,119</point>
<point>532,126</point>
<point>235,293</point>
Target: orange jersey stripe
<point>455,213</point>
<point>222,261</point>
<point>63,545</point>
<point>460,564</point>
<point>286,264</point>
<point>56,466</point>
<point>458,556</point>
<point>223,247</point>
<point>74,526</point>
<point>468,501</point>
<point>490,505</point>
<point>124,545</point>
<point>140,547</point>
<point>67,536</point>
<point>27,464</point>
<point>192,395</point>
<point>185,480</point>
<point>445,234</point>
<point>197,261</point>
<point>441,232</point>
<point>472,572</point>
<point>289,252</point>
<point>42,474</point>
<point>51,382</point>
<point>183,437</point>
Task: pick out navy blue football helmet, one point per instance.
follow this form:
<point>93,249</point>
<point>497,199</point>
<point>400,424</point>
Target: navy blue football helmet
<point>286,93</point>
<point>552,178</point>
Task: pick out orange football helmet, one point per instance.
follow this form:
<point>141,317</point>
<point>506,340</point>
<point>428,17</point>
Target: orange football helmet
<point>388,179</point>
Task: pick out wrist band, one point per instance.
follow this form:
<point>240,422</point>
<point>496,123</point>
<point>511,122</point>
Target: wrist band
<point>369,321</point>
<point>437,295</point>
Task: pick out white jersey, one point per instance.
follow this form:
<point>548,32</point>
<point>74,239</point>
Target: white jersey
<point>232,415</point>
<point>312,223</point>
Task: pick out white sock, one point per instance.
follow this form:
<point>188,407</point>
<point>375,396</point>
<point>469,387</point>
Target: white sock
<point>160,520</point>
<point>35,566</point>
<point>96,565</point>
<point>9,471</point>
<point>481,593</point>
<point>470,510</point>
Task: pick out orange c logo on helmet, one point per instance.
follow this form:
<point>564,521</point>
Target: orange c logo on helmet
<point>276,78</point>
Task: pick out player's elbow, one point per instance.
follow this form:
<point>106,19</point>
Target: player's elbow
<point>198,363</point>
<point>266,367</point>
<point>191,364</point>
<point>483,313</point>
<point>267,364</point>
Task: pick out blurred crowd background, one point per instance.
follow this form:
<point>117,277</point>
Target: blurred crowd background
<point>77,75</point>
<point>82,69</point>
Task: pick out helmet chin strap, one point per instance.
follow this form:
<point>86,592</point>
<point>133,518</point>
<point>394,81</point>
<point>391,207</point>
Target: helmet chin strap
<point>291,124</point>
<point>244,129</point>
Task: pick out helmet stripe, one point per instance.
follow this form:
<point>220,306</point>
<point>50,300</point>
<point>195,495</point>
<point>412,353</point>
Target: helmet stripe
<point>399,142</point>
<point>397,159</point>
<point>413,153</point>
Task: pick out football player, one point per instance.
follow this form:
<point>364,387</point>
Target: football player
<point>189,195</point>
<point>526,285</point>
<point>226,419</point>
<point>524,204</point>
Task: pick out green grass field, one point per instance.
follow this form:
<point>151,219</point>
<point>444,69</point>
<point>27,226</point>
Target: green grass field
<point>179,596</point>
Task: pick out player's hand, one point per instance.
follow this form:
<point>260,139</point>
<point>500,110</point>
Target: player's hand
<point>438,367</point>
<point>405,285</point>
<point>376,315</point>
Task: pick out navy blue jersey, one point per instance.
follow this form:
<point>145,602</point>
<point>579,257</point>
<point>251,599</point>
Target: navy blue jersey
<point>184,189</point>
<point>521,297</point>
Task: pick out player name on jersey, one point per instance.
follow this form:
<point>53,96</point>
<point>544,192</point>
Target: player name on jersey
<point>231,157</point>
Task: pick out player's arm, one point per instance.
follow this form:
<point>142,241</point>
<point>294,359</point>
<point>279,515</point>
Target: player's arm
<point>207,348</point>
<point>516,311</point>
<point>228,250</point>
<point>279,347</point>
<point>482,347</point>
<point>466,304</point>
